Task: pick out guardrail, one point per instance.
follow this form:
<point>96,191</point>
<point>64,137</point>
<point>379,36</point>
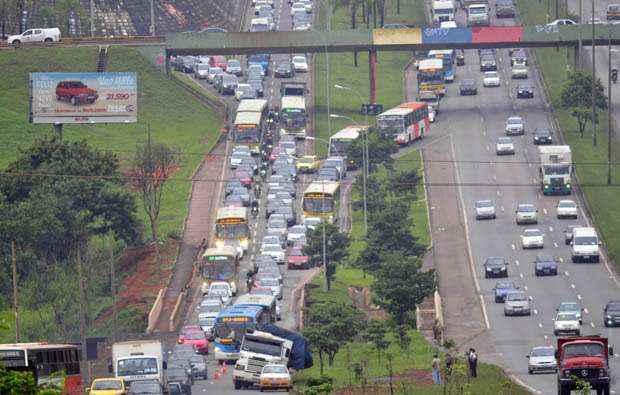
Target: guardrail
<point>155,311</point>
<point>68,42</point>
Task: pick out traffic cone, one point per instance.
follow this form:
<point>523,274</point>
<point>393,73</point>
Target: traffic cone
<point>224,368</point>
<point>216,375</point>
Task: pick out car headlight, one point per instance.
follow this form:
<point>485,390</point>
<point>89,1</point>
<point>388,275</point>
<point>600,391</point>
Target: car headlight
<point>217,349</point>
<point>608,317</point>
<point>488,269</point>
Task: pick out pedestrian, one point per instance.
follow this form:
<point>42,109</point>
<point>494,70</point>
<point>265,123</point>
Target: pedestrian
<point>472,361</point>
<point>436,373</point>
<point>449,363</point>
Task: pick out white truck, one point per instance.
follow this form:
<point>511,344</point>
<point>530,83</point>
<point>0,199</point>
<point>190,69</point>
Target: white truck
<point>443,11</point>
<point>35,36</point>
<point>138,360</point>
<point>585,245</point>
<point>478,14</point>
<point>258,349</point>
<point>555,169</point>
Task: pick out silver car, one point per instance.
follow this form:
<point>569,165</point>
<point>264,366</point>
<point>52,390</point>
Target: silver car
<point>514,126</point>
<point>517,303</point>
<point>542,360</point>
<point>527,214</point>
<point>484,209</point>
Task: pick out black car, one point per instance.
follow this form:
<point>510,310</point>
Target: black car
<point>177,374</point>
<point>518,56</point>
<point>468,87</point>
<point>150,387</point>
<point>504,9</point>
<point>284,70</point>
<point>545,265</point>
<point>488,63</point>
<point>460,57</point>
<point>543,136</point>
<point>525,90</point>
<point>228,84</point>
<point>495,266</point>
<point>611,313</point>
<point>257,85</point>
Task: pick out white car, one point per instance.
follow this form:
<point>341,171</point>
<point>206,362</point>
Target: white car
<point>298,7</point>
<point>296,233</point>
<point>532,238</point>
<point>312,222</point>
<point>275,376</point>
<point>527,213</point>
<point>221,289</point>
<point>300,63</point>
<point>35,36</point>
<point>504,146</point>
<point>562,22</point>
<point>515,125</point>
<point>566,209</point>
<point>517,303</point>
<point>490,79</point>
<point>542,360</point>
<point>566,323</point>
<point>484,209</point>
<point>275,251</point>
<point>519,71</point>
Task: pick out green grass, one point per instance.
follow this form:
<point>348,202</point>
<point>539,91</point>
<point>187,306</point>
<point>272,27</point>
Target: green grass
<point>601,198</point>
<point>173,116</point>
<point>343,71</point>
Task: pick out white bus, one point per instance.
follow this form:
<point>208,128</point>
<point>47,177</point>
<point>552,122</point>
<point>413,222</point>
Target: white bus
<point>443,11</point>
<point>340,142</point>
<point>293,116</point>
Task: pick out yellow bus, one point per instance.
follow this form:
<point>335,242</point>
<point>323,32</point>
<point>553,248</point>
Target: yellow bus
<point>431,76</point>
<point>232,227</point>
<point>320,200</point>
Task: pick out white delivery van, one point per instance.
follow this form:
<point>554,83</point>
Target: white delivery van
<point>585,245</point>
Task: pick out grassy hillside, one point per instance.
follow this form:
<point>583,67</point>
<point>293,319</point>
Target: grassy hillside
<point>172,115</point>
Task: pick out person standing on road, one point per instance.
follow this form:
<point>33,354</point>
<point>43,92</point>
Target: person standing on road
<point>472,361</point>
<point>449,363</point>
<point>436,372</point>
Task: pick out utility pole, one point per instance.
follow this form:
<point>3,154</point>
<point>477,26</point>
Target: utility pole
<point>328,14</point>
<point>15,292</point>
<point>78,259</point>
<point>113,289</point>
<point>609,126</point>
<point>152,18</point>
<point>92,18</point>
<point>580,36</point>
<point>593,81</point>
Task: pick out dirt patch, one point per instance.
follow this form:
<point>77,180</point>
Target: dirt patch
<point>362,300</point>
<point>141,272</point>
<point>411,378</point>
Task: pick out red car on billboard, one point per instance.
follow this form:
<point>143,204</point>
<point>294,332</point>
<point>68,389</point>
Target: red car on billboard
<point>76,93</point>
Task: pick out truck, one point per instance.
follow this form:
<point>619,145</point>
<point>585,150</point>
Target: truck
<point>301,357</point>
<point>257,350</point>
<point>478,14</point>
<point>443,11</point>
<point>138,360</point>
<point>585,245</point>
<point>583,358</point>
<point>555,169</point>
<point>293,89</point>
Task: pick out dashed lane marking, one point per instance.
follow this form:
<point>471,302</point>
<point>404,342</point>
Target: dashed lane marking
<point>585,310</point>
<point>579,297</point>
<point>572,286</point>
<point>555,244</point>
<point>516,262</point>
<point>521,275</point>
<point>545,211</point>
<point>513,247</point>
<point>562,261</point>
<point>551,229</point>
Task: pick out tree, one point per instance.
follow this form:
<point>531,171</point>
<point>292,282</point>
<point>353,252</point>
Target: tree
<point>404,184</point>
<point>374,333</point>
<point>400,285</point>
<point>330,325</point>
<point>380,150</point>
<point>337,247</point>
<point>576,97</point>
<point>152,166</point>
<point>376,194</point>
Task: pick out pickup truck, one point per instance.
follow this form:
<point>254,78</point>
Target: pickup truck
<point>35,36</point>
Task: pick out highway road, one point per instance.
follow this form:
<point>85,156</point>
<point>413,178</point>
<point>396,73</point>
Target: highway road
<point>472,124</point>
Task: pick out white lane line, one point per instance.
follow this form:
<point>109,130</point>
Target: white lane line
<point>484,132</point>
<point>529,164</point>
<point>513,247</point>
<point>499,192</point>
<point>531,297</point>
<point>488,148</point>
<point>525,287</point>
<point>585,310</point>
<point>555,244</point>
<point>550,228</point>
<point>545,211</point>
<point>578,296</point>
<point>592,324</point>
<point>561,261</point>
<point>536,313</point>
<point>567,274</point>
<point>546,337</point>
<point>502,208</point>
<point>521,275</point>
<point>572,286</point>
<point>516,262</point>
<point>534,180</point>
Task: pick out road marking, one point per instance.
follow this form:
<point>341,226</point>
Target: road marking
<point>592,324</point>
<point>531,297</point>
<point>545,211</point>
<point>488,148</point>
<point>502,208</point>
<point>550,228</point>
<point>533,180</point>
<point>546,337</point>
<point>529,164</point>
<point>536,313</point>
<point>567,274</point>
<point>494,176</point>
<point>513,246</point>
<point>585,311</point>
<point>578,296</point>
<point>525,287</point>
<point>516,262</point>
<point>499,192</point>
<point>562,261</point>
<point>555,244</point>
<point>539,324</point>
<point>521,275</point>
<point>572,286</point>
<point>484,132</point>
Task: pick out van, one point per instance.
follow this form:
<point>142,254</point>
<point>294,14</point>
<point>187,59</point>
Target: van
<point>35,36</point>
<point>585,245</point>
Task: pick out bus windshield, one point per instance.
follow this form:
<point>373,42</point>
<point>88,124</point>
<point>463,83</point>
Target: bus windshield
<point>219,270</point>
<point>136,366</point>
<point>318,205</point>
<point>430,76</point>
<point>231,231</point>
<point>247,134</point>
<point>293,117</point>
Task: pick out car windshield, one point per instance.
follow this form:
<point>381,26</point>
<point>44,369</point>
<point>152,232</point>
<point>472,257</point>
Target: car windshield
<point>505,285</point>
<point>543,352</point>
<point>542,132</point>
<point>195,336</point>
<point>299,59</point>
<point>490,74</point>
<point>467,83</point>
<point>586,240</point>
<point>569,307</point>
<point>516,296</point>
<point>519,66</point>
<point>107,385</point>
<point>527,209</point>
<point>544,258</point>
<point>514,121</point>
<point>272,247</point>
<point>504,140</point>
<point>567,317</point>
<point>136,366</point>
<point>495,261</point>
<point>275,369</point>
<point>566,204</point>
<point>145,388</point>
<point>206,321</point>
<point>268,282</point>
<point>532,233</point>
<point>484,203</point>
<point>613,307</point>
<point>588,349</point>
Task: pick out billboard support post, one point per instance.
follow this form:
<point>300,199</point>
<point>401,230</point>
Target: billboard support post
<point>58,130</point>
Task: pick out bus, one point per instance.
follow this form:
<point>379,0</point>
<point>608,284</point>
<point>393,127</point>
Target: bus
<point>253,105</point>
<point>220,264</point>
<point>320,200</point>
<point>248,130</point>
<point>447,56</point>
<point>406,122</point>
<point>340,142</point>
<point>232,227</point>
<point>268,303</point>
<point>230,326</point>
<point>293,116</point>
<point>48,363</point>
<point>430,76</point>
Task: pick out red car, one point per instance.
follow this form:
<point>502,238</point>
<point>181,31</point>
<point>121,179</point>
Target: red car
<point>244,177</point>
<point>218,61</point>
<point>196,337</point>
<point>297,259</point>
<point>76,93</point>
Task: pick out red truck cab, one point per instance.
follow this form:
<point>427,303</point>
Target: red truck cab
<point>586,359</point>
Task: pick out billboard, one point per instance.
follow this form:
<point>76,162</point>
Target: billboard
<point>83,97</point>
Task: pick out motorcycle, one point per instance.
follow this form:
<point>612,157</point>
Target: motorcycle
<point>614,75</point>
<point>254,208</point>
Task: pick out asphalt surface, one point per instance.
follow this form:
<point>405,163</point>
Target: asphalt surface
<point>472,124</point>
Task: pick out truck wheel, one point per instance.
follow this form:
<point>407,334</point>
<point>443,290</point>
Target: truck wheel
<point>47,40</point>
<point>563,390</point>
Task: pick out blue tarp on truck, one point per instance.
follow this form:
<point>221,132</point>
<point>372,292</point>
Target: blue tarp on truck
<point>301,357</point>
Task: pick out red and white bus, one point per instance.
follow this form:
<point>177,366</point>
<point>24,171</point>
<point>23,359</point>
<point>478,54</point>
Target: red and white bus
<point>51,364</point>
<point>406,122</point>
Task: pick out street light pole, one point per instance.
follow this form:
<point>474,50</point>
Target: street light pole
<point>609,126</point>
<point>580,51</point>
<point>593,81</point>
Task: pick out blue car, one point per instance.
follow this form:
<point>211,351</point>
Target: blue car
<point>260,59</point>
<point>545,266</point>
<point>502,288</point>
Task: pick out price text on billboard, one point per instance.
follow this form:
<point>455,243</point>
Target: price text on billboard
<point>83,97</point>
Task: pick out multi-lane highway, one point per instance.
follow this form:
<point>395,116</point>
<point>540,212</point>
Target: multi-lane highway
<point>470,126</point>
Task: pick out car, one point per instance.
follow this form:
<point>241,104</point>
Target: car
<point>228,84</point>
<point>613,12</point>
<point>260,25</point>
<point>486,52</point>
<point>504,146</point>
<point>245,91</point>
<point>490,79</point>
<point>570,307</point>
<point>266,12</point>
<point>275,251</point>
<point>495,266</point>
<point>568,234</point>
<point>468,87</point>
<point>256,72</point>
<point>566,209</point>
<point>519,71</point>
<point>595,21</point>
<point>297,7</point>
<point>201,71</point>
<point>196,338</point>
<point>209,303</point>
<point>233,66</point>
<point>338,163</point>
<point>298,260</point>
<point>562,22</point>
<point>212,72</point>
<point>219,61</point>
<point>501,289</point>
<point>307,164</point>
<point>312,222</point>
<point>532,238</point>
<point>222,290</point>
<point>284,70</point>
<point>525,91</point>
<point>269,282</point>
<point>515,126</point>
<point>76,93</point>
<point>108,386</point>
<point>611,313</point>
<point>518,56</point>
<point>526,214</point>
<point>48,35</point>
<point>484,209</point>
<point>542,136</point>
<point>328,174</point>
<point>517,303</point>
<point>198,364</point>
<point>300,63</point>
<point>150,387</point>
<point>505,9</point>
<point>295,233</point>
<point>566,323</point>
<point>545,265</point>
<point>257,85</point>
<point>542,360</point>
<point>460,57</point>
<point>180,375</point>
<point>488,63</point>
<point>286,212</point>
<point>275,376</point>
<point>272,271</point>
<point>308,4</point>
